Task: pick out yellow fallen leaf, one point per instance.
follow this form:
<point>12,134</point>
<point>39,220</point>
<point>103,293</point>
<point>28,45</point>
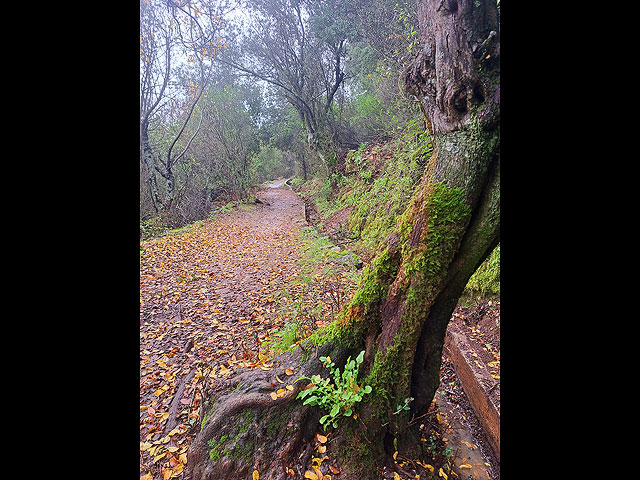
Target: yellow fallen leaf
<point>439,418</point>
<point>321,438</point>
<point>145,446</point>
<point>318,473</point>
<point>395,455</point>
<point>273,395</point>
<point>148,476</point>
<point>183,458</point>
<point>442,474</point>
<point>278,378</point>
<point>158,457</point>
<point>316,462</point>
<point>172,449</point>
<point>280,392</point>
<point>465,465</point>
<point>322,448</point>
<point>289,387</point>
<point>288,371</point>
<point>396,476</point>
<point>428,467</point>
<point>310,475</point>
<point>256,475</point>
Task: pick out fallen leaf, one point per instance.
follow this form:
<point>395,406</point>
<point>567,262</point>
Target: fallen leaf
<point>318,473</point>
<point>256,475</point>
<point>439,418</point>
<point>278,378</point>
<point>289,387</point>
<point>288,371</point>
<point>310,475</point>
<point>465,465</point>
<point>148,476</point>
<point>321,438</point>
<point>158,457</point>
<point>334,470</point>
<point>273,395</point>
<point>316,462</point>
<point>396,476</point>
<point>322,448</point>
<point>442,474</point>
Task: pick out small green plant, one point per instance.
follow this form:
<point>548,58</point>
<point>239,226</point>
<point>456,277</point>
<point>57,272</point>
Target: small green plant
<point>338,397</point>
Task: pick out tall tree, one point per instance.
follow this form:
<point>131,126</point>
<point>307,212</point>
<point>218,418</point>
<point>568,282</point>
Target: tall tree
<point>406,296</point>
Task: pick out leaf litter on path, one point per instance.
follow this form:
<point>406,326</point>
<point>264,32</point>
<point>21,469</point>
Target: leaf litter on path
<point>210,295</point>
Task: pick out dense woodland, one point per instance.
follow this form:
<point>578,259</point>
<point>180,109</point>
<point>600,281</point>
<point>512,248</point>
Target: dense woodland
<point>388,110</point>
<point>235,94</point>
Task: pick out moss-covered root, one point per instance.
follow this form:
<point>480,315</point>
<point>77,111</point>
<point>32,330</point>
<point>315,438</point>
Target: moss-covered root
<point>248,430</point>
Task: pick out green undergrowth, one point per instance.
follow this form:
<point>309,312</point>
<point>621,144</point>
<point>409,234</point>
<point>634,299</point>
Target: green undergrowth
<point>327,276</point>
<point>485,282</point>
<point>376,184</point>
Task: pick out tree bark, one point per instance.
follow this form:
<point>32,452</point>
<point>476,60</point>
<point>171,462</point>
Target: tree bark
<point>407,294</point>
<point>150,167</point>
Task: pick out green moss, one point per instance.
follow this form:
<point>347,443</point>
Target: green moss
<point>442,222</point>
<point>447,216</point>
<point>380,203</point>
<point>241,450</point>
<point>486,280</point>
<point>230,446</point>
<point>215,452</point>
<point>277,422</point>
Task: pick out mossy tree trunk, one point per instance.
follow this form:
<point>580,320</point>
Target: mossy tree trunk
<point>406,297</point>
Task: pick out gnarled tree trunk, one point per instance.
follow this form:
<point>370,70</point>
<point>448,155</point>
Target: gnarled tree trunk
<point>406,297</point>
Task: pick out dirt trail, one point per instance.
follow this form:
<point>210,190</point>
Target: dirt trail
<point>207,299</point>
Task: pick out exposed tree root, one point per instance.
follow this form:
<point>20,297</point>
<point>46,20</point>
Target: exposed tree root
<point>245,429</point>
